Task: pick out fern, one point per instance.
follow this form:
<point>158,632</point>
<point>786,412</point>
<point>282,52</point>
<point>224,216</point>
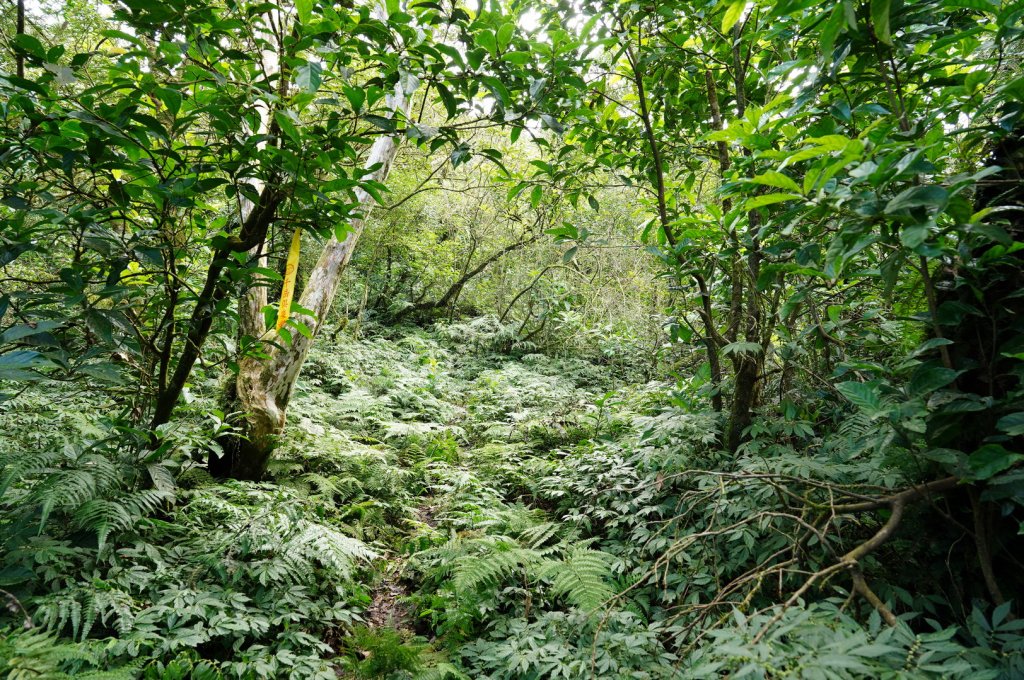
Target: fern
<point>331,548</point>
<point>583,577</point>
<point>441,671</point>
<point>103,517</point>
<point>540,534</point>
<point>500,558</point>
<point>18,465</point>
<point>37,655</point>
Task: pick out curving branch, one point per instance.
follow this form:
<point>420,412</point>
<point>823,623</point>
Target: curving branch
<point>453,292</point>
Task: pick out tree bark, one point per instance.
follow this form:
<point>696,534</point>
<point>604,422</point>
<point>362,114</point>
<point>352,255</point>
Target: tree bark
<point>264,386</point>
<point>746,397</point>
<point>19,29</point>
<point>253,231</point>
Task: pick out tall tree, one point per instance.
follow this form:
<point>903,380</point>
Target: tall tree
<point>266,380</point>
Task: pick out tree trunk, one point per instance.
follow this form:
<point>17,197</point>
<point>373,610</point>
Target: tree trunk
<point>264,386</point>
<point>253,231</point>
<point>746,397</point>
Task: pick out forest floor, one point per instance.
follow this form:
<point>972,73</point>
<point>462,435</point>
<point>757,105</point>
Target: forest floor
<point>448,504</point>
<point>428,436</point>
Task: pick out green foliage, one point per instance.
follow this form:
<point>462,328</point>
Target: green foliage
<point>33,654</point>
<point>570,645</point>
<point>104,550</point>
<point>524,561</point>
<point>823,642</point>
<point>802,219</point>
<point>386,654</point>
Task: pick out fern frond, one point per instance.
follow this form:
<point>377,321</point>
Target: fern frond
<point>65,488</point>
<point>538,535</point>
<point>147,501</point>
<point>490,567</point>
<point>18,465</point>
<point>103,517</point>
<point>442,671</point>
<point>331,548</point>
<point>161,476</point>
<point>582,577</point>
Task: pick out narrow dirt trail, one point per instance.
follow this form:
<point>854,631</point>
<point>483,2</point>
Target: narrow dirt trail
<point>387,608</point>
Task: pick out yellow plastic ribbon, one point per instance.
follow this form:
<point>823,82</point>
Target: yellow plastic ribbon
<point>291,272</point>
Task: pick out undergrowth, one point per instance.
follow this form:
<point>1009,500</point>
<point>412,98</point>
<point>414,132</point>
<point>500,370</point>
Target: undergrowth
<point>546,517</point>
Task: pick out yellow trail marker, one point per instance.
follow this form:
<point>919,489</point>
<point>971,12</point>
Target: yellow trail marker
<point>291,271</point>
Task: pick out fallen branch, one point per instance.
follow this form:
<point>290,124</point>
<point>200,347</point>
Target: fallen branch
<point>851,560</point>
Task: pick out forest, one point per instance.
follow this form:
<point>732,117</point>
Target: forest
<point>511,339</point>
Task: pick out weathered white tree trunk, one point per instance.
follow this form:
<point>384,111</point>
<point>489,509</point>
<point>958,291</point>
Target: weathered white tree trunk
<point>264,386</point>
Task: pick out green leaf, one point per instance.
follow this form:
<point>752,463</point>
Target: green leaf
<point>552,123</point>
<point>932,197</point>
<point>743,348</point>
<point>10,253</point>
<point>929,345</point>
<point>505,35</point>
<point>27,330</point>
<point>486,39</point>
<point>15,365</point>
<point>386,124</point>
<point>518,58</point>
<point>302,328</point>
<point>476,57</point>
<point>880,20</point>
<point>30,44</point>
<point>593,203</point>
<point>1012,424</point>
<point>100,324</point>
<point>990,460</point>
<point>930,378</point>
<point>355,96</point>
<point>104,372</point>
<point>308,76</point>
<point>769,199</point>
<point>498,89</point>
<point>304,8</point>
<point>452,53</point>
<point>451,107</point>
<point>864,395</point>
<point>170,98</point>
<point>732,14</point>
<point>914,235</point>
<point>778,180</point>
<point>537,88</point>
<point>830,31</point>
<point>951,458</point>
<point>287,124</point>
<point>26,84</point>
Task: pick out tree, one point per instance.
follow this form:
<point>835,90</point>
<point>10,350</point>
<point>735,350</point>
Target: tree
<point>730,122</point>
<point>265,380</point>
<point>267,375</point>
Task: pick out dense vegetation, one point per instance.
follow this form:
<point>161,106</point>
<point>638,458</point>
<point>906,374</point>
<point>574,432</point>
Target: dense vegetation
<point>511,340</point>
